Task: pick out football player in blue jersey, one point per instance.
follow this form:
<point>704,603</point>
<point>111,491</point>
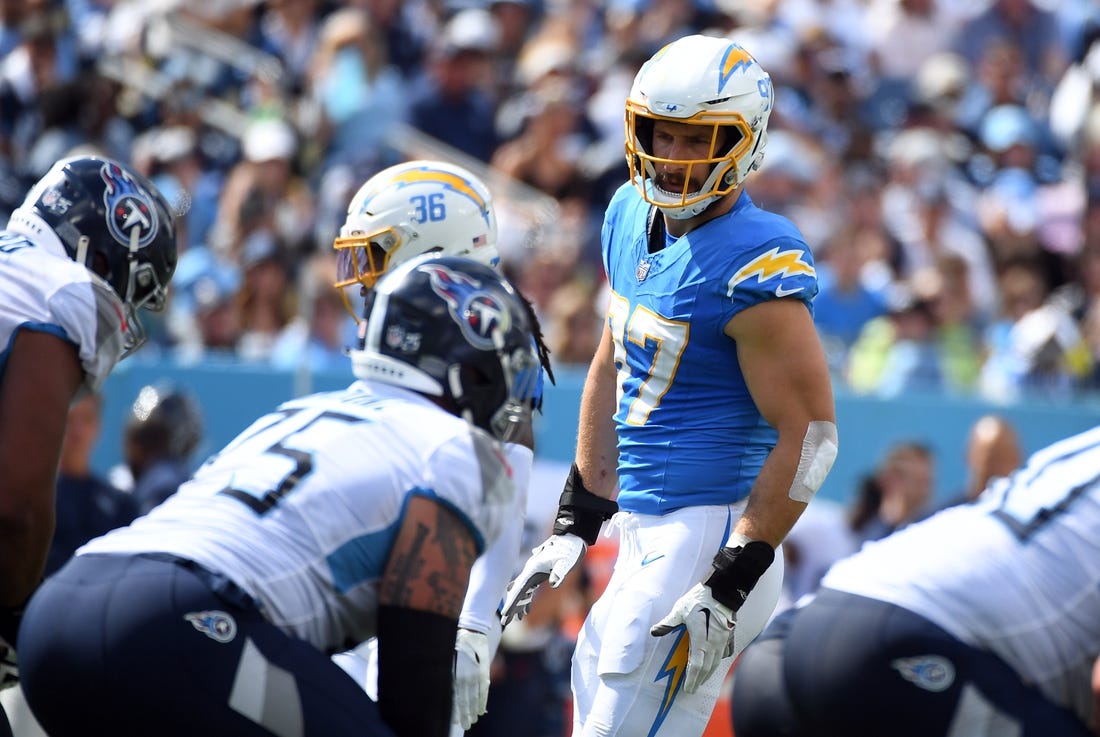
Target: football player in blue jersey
<point>92,244</point>
<point>707,406</point>
<point>982,620</point>
<point>402,211</point>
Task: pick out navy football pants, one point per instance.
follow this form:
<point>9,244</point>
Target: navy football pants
<point>846,665</point>
<point>145,645</point>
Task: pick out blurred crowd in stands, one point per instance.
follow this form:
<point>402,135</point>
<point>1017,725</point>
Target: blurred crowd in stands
<point>941,156</point>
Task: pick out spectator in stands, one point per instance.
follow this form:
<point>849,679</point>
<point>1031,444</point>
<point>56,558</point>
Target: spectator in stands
<point>993,451</point>
<point>846,301</point>
<point>898,492</point>
<point>266,298</point>
<point>925,213</point>
<point>898,352</point>
<point>170,156</point>
<point>1085,294</point>
<point>959,325</point>
<point>87,505</point>
<point>901,34</point>
<point>450,101</point>
<point>11,16</point>
<point>1022,288</point>
<point>79,114</point>
<point>1053,356</point>
<point>573,322</point>
<point>999,78</point>
<point>204,315</point>
<point>44,59</point>
<point>316,340</point>
<point>515,20</point>
<point>1024,25</point>
<point>548,152</point>
<point>162,433</point>
<point>264,191</point>
<point>404,31</point>
<point>288,29</point>
<point>351,80</point>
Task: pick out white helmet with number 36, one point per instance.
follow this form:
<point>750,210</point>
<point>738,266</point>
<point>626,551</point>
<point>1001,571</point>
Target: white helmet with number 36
<point>413,208</point>
<point>710,82</point>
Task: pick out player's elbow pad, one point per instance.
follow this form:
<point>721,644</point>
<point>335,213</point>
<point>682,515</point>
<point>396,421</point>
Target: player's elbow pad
<point>415,668</point>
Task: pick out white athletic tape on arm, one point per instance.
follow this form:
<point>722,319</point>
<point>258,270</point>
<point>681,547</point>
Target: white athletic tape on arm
<point>736,539</point>
<point>819,449</point>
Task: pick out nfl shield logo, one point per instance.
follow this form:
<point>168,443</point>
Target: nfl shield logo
<point>642,270</point>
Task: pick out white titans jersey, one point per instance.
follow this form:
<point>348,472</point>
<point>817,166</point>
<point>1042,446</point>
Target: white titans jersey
<point>301,509</point>
<point>51,293</point>
<point>1017,572</point>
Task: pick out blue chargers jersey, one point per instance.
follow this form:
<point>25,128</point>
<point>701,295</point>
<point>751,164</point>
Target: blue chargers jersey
<point>688,431</point>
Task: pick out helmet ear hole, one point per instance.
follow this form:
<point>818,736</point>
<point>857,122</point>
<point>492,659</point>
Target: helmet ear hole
<point>482,394</point>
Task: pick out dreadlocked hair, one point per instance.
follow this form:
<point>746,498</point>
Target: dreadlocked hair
<point>540,344</point>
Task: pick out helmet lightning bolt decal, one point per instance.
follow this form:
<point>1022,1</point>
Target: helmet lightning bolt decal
<point>735,58</point>
<point>771,265</point>
<point>673,669</point>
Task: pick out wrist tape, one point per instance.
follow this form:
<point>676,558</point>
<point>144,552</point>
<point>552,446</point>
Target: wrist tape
<point>736,571</point>
<point>580,512</point>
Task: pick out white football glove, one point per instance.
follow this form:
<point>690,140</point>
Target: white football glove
<point>9,668</point>
<point>709,625</point>
<point>471,686</point>
<point>551,561</point>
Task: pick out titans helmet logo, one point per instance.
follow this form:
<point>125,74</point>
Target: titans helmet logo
<point>479,313</point>
<point>131,217</point>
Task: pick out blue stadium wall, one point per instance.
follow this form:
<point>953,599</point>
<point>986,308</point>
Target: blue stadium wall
<point>232,396</point>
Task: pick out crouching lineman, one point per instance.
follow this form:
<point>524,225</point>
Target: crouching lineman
<point>91,247</point>
<point>338,517</point>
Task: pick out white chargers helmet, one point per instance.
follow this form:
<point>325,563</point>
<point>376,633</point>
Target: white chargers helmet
<point>710,82</point>
<point>413,208</point>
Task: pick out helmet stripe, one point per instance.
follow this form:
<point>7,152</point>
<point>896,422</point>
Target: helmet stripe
<point>447,179</point>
